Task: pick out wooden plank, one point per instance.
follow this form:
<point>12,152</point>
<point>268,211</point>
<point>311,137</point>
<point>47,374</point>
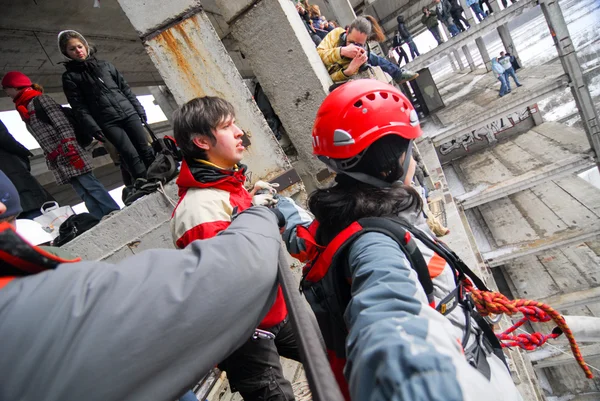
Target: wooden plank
<point>516,159</point>
<point>563,271</point>
<point>589,351</point>
<point>506,223</point>
<point>571,138</point>
<point>483,168</point>
<point>539,216</point>
<point>590,296</point>
<point>568,378</point>
<point>565,205</point>
<point>544,148</point>
<point>583,191</point>
<point>530,279</point>
<point>586,261</point>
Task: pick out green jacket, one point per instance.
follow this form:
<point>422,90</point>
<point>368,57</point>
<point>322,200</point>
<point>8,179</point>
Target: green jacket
<point>431,21</point>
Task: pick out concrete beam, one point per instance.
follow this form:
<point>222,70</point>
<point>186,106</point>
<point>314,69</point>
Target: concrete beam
<point>458,130</point>
<point>562,358</point>
<point>573,299</point>
<point>469,58</point>
<point>485,56</point>
<point>505,254</point>
<point>522,182</point>
<point>296,91</point>
<point>191,58</point>
<point>568,58</point>
<point>165,100</point>
<point>507,41</point>
<point>452,63</point>
<point>344,13</point>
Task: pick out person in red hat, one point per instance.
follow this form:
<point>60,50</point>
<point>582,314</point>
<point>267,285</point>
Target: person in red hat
<point>69,162</point>
<point>383,289</point>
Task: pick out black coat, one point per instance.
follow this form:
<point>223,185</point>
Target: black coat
<point>14,162</point>
<point>402,30</point>
<point>99,94</point>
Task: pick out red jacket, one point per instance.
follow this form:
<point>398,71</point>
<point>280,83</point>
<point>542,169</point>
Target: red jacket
<point>209,196</point>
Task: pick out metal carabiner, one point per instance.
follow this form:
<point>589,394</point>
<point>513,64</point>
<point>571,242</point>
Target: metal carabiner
<point>262,335</point>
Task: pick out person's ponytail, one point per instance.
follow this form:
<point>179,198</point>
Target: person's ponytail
<point>37,87</point>
<point>376,31</point>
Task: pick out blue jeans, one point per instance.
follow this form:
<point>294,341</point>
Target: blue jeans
<point>511,73</point>
<point>96,198</point>
<point>385,64</point>
<point>453,29</point>
<point>504,88</point>
<point>478,12</point>
<point>414,52</point>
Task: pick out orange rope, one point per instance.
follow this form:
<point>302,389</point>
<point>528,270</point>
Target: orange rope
<point>488,303</point>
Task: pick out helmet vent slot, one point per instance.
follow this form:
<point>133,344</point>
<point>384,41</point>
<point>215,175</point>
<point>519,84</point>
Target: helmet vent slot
<point>371,96</point>
<point>396,98</point>
<point>358,104</point>
<point>383,95</point>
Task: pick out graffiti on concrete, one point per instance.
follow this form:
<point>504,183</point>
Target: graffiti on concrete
<point>487,132</point>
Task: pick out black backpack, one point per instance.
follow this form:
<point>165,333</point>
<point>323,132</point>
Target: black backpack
<point>73,227</point>
<point>83,138</point>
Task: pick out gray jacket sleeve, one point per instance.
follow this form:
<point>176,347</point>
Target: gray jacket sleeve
<point>398,347</point>
<point>294,216</point>
<point>143,329</point>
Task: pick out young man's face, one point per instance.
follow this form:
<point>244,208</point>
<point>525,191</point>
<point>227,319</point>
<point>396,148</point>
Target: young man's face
<point>227,149</point>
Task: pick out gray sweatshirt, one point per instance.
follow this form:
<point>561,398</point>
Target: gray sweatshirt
<point>144,329</point>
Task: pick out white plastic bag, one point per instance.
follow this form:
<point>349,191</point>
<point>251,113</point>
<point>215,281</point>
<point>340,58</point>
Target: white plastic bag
<point>53,216</point>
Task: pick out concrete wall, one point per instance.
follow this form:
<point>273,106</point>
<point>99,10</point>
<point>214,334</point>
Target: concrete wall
<point>143,225</point>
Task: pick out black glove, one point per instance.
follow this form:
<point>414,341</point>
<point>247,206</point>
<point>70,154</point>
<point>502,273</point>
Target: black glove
<point>279,216</point>
<point>99,136</point>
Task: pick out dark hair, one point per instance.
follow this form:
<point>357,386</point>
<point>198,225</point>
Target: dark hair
<point>362,25</point>
<point>199,117</point>
<point>376,31</point>
<point>349,200</point>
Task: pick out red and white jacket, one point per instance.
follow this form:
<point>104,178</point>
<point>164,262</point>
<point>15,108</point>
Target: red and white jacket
<point>208,198</point>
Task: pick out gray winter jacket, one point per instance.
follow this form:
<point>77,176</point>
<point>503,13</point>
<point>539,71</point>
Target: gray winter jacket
<point>144,329</point>
<point>398,347</point>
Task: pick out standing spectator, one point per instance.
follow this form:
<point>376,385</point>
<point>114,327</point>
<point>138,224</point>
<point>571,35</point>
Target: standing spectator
<point>456,10</point>
<point>474,4</point>
<point>431,22</point>
<point>14,162</point>
<point>487,4</point>
<point>105,103</point>
<point>69,162</point>
<point>506,62</point>
<point>397,47</point>
<point>407,37</point>
<point>345,51</point>
<point>442,10</point>
<point>498,70</point>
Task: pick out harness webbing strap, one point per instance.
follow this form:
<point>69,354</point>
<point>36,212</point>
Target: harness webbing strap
<point>5,280</point>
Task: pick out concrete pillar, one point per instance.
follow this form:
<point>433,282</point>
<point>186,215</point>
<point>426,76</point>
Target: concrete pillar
<point>485,57</point>
<point>461,66</point>
<point>469,58</point>
<point>568,58</point>
<point>507,41</point>
<point>193,62</point>
<point>468,12</point>
<point>287,66</point>
<point>452,63</point>
<point>165,100</point>
<point>344,13</point>
<point>495,5</point>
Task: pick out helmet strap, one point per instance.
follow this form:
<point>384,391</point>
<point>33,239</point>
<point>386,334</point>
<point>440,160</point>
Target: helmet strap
<point>406,163</point>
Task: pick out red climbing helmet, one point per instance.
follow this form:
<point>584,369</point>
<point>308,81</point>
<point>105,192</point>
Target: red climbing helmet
<point>357,114</point>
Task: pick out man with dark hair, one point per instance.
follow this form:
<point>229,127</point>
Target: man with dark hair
<point>211,188</point>
<point>456,11</point>
<point>506,61</point>
<point>431,22</point>
<point>345,52</point>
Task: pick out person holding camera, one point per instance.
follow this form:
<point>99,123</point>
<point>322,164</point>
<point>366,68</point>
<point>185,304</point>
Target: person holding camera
<point>345,52</point>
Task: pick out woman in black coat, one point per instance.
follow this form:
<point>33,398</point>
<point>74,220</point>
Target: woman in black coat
<point>105,103</point>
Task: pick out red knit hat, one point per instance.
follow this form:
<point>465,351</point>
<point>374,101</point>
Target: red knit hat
<point>15,79</point>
